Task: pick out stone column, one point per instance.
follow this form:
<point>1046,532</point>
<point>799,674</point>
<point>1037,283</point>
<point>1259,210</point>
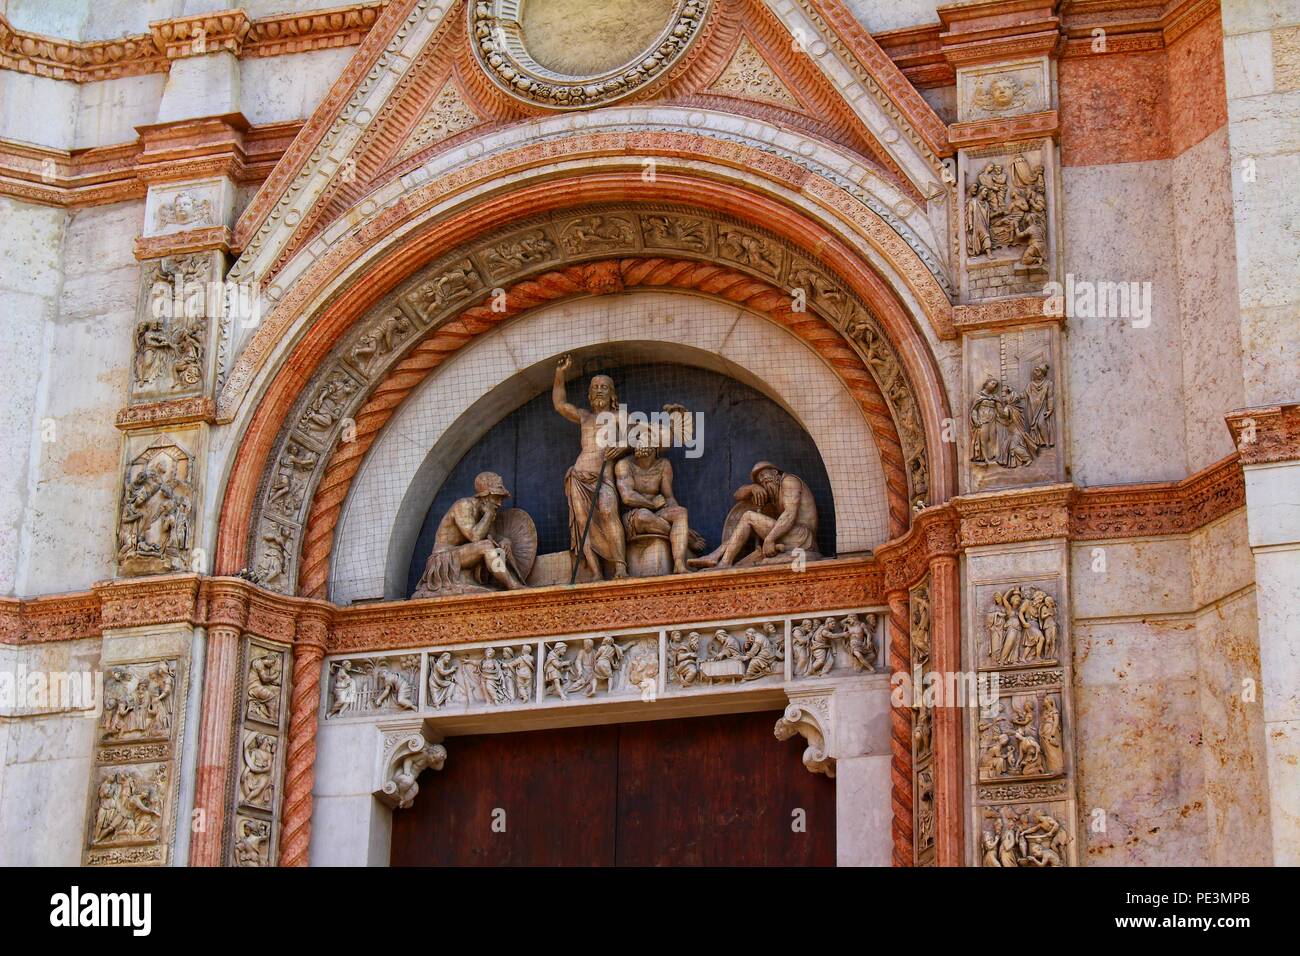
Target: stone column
<point>900,663</point>
<point>226,613</point>
<point>946,660</point>
<point>1268,440</point>
<point>304,709</point>
<point>1261,55</point>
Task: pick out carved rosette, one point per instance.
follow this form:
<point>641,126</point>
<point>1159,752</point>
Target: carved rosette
<point>512,56</point>
<point>361,367</point>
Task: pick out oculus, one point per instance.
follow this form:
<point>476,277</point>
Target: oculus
<point>573,54</point>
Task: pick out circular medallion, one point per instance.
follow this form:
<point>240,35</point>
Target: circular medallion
<point>576,54</point>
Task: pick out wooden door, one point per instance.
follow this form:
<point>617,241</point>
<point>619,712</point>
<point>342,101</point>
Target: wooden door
<point>712,791</point>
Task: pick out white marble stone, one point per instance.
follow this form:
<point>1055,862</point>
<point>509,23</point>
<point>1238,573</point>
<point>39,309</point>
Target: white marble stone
<point>1273,504</point>
<point>863,812</point>
<point>276,89</point>
<point>350,831</point>
<point>201,86</point>
<point>1124,383</point>
<point>38,110</point>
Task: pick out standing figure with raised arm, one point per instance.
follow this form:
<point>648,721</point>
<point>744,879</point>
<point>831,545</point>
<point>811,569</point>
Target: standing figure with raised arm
<point>595,530</point>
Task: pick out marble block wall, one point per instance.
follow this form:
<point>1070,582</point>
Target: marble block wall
<point>45,758</point>
<point>1148,197</point>
<point>1170,724</point>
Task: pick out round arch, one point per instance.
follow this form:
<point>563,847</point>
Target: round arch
<point>258,417</point>
<point>450,410</point>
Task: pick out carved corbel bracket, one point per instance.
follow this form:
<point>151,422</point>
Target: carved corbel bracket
<point>408,749</point>
<point>810,716</point>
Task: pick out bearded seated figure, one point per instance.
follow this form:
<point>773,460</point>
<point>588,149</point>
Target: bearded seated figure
<point>774,521</point>
<point>656,527</point>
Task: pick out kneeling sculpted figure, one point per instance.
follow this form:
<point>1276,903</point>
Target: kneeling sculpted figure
<point>465,551</point>
<point>776,512</point>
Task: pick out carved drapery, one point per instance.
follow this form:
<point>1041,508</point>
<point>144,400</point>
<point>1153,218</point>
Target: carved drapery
<point>255,791</point>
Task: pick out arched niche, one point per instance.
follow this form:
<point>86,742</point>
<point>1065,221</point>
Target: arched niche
<point>498,373</point>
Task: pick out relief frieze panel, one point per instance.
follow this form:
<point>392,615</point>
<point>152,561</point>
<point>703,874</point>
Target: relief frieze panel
<point>257,777</point>
<point>173,355</point>
<point>1012,427</point>
<point>156,528</point>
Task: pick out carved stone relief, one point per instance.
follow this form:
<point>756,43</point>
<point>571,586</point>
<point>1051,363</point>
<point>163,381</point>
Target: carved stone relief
<point>602,666</point>
<point>259,770</point>
<point>810,715</point>
<point>748,76</point>
<point>1002,90</point>
<point>1019,737</point>
<point>139,702</point>
<point>1008,202</point>
<point>376,684</point>
<point>923,796</point>
<point>1026,835</point>
<point>405,754</point>
<point>194,205</point>
<point>172,354</point>
<point>131,811</point>
<point>467,276</point>
<point>574,56</point>
<point>1012,425</point>
<point>821,647</point>
<point>156,525</point>
<point>447,115</point>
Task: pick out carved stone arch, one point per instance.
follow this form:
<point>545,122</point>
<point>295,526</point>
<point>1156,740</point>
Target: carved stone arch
<point>912,372</point>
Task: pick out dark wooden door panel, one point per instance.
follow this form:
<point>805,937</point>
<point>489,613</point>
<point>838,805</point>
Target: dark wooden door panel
<point>556,788</point>
<point>712,791</point>
<point>719,791</point>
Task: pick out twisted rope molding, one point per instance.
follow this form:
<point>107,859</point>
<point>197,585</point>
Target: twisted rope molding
<point>436,348</point>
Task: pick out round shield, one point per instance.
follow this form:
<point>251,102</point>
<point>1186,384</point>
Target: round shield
<point>514,525</point>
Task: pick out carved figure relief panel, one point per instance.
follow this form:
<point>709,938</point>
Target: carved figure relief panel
<point>575,670</point>
<point>194,205</point>
<point>373,685</point>
<point>258,775</point>
<point>1008,199</point>
<point>468,276</point>
<point>174,339</point>
<point>923,793</point>
<point>1021,753</point>
<point>132,807</point>
<point>1003,90</point>
<point>1012,427</point>
<point>156,527</point>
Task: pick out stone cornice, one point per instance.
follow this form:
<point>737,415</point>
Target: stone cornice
<point>177,411</point>
<point>229,30</point>
<point>1014,515</point>
<point>176,243</point>
<point>906,560</point>
<point>192,149</point>
<point>1159,508</point>
<point>998,30</point>
<point>1002,314</point>
<point>1001,130</point>
<point>1266,434</point>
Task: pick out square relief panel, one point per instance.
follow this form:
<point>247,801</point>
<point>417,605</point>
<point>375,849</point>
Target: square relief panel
<point>174,353</point>
<point>156,528</point>
<point>1027,834</point>
<point>1018,625</point>
<point>1021,737</point>
<point>198,205</point>
<point>373,685</point>
<point>1008,234</point>
<point>503,675</point>
<point>737,654</point>
<point>600,667</point>
<point>835,646</point>
<point>1007,89</point>
<point>1012,404</point>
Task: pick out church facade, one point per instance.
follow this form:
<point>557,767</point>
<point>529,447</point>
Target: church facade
<point>662,432</point>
